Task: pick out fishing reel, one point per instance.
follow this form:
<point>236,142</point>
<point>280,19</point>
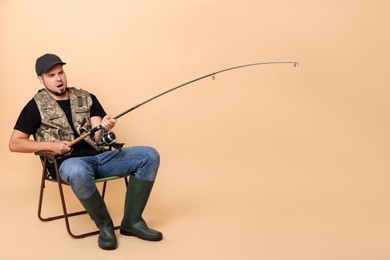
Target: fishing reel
<point>108,138</point>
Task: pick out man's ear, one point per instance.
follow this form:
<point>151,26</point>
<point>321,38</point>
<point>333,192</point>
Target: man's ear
<point>40,78</point>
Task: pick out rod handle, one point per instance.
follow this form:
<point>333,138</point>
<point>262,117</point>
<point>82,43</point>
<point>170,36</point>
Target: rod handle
<point>85,135</point>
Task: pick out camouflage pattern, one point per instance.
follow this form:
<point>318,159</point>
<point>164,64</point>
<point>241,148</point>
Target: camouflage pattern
<point>54,124</point>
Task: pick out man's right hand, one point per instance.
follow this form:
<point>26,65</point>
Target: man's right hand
<point>61,148</point>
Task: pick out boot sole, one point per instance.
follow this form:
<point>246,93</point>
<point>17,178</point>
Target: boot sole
<point>129,233</point>
<point>108,247</point>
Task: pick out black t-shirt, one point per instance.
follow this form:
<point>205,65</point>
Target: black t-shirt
<point>29,121</point>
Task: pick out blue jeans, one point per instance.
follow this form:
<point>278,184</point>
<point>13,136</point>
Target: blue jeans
<point>81,172</point>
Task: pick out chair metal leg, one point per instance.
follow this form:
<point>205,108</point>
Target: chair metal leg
<point>65,214</point>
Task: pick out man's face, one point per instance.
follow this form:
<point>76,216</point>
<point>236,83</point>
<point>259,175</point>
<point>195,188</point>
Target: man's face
<point>55,82</point>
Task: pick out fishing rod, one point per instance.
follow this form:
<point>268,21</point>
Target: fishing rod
<point>109,137</point>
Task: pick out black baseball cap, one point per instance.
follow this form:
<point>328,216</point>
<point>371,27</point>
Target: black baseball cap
<point>45,62</point>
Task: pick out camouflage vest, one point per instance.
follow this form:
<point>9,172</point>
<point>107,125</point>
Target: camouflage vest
<point>54,124</point>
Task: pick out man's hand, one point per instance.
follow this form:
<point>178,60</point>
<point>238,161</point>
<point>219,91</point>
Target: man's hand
<point>60,148</point>
<point>108,123</point>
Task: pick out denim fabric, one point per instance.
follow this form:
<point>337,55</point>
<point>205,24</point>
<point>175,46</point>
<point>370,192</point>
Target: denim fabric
<point>81,172</point>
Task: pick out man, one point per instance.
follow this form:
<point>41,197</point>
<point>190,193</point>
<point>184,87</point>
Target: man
<point>55,116</point>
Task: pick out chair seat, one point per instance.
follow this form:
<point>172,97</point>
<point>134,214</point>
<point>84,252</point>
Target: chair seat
<point>108,179</point>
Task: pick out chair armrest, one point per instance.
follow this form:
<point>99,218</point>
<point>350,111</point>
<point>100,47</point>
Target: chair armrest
<point>47,154</point>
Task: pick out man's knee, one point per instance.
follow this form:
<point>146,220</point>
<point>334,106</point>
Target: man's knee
<point>153,154</point>
<point>74,170</point>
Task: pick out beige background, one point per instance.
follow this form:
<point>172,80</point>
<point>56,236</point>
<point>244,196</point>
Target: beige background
<point>269,162</point>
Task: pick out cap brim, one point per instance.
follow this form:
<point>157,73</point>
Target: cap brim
<point>51,66</point>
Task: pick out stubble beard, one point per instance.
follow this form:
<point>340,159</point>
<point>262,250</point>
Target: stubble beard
<point>57,93</point>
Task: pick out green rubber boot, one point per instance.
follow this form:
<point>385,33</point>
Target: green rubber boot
<point>133,224</point>
<point>98,212</point>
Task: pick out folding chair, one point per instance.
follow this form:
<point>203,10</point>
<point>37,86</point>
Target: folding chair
<point>46,177</point>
